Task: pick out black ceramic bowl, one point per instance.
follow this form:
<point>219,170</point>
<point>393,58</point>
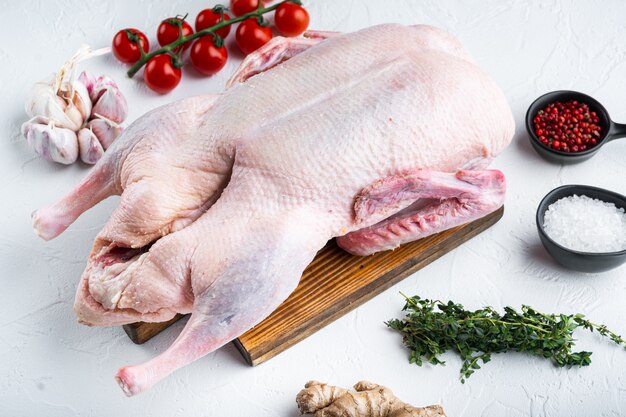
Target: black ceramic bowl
<point>571,259</point>
<point>610,129</point>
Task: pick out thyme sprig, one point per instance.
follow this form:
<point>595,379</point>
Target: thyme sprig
<point>431,328</point>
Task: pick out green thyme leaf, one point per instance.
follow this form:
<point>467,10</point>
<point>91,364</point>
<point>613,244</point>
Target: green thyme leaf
<point>431,328</point>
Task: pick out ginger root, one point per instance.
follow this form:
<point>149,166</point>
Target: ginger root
<point>369,400</point>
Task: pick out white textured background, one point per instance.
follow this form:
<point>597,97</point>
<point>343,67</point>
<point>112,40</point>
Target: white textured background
<point>51,366</point>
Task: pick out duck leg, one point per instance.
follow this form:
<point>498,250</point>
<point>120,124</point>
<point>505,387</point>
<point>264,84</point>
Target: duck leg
<point>160,192</point>
<point>239,271</point>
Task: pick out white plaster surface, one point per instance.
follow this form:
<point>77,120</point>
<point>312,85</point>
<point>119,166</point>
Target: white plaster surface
<point>52,366</point>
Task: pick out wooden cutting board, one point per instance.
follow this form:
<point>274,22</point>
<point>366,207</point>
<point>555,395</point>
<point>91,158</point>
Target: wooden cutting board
<point>331,286</point>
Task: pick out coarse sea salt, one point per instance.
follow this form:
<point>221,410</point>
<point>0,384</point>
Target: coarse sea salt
<point>586,224</point>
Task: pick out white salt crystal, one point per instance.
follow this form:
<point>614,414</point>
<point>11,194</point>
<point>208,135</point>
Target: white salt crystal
<point>586,224</point>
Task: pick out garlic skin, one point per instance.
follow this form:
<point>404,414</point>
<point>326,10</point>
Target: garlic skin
<point>105,130</point>
<point>89,146</point>
<point>54,143</point>
<point>111,105</point>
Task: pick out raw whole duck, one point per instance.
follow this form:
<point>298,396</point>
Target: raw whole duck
<point>381,136</point>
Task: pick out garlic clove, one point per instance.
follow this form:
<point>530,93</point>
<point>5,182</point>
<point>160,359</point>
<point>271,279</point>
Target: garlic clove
<point>62,103</point>
<point>73,113</point>
<point>52,143</point>
<point>105,130</point>
<point>39,95</point>
<point>100,85</point>
<point>81,99</point>
<point>28,129</point>
<point>88,80</point>
<point>26,126</point>
<point>111,105</point>
<point>89,146</point>
<point>79,105</point>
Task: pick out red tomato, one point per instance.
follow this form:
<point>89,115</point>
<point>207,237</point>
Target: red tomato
<point>206,57</point>
<point>239,7</point>
<point>291,19</point>
<point>168,32</point>
<point>208,18</point>
<point>126,50</point>
<point>160,74</point>
<point>250,36</point>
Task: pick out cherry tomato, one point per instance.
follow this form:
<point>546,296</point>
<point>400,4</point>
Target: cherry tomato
<point>206,57</point>
<point>207,18</point>
<point>250,36</point>
<point>126,50</point>
<point>239,7</point>
<point>291,19</point>
<point>168,32</point>
<point>160,74</point>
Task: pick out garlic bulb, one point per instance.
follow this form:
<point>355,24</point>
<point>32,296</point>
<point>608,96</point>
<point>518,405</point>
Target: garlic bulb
<point>72,117</point>
<point>54,143</point>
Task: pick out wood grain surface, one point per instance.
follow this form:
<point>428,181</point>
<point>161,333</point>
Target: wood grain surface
<point>331,286</point>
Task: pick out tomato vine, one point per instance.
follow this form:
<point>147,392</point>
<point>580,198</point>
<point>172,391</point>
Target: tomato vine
<point>172,48</point>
